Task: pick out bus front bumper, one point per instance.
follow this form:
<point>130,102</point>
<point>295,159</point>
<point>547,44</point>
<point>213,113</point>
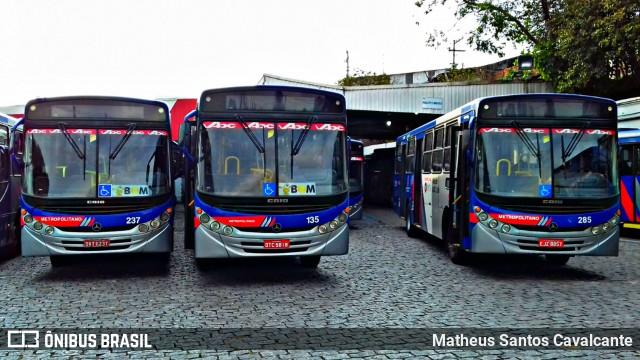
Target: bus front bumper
<point>583,243</point>
<point>70,243</point>
<point>212,245</point>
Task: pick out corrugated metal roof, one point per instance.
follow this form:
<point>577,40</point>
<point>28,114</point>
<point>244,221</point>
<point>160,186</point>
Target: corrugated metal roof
<point>409,98</point>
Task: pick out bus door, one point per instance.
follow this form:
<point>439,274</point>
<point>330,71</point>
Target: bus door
<point>630,185</point>
<point>418,213</point>
<point>5,197</point>
<point>402,181</point>
<point>458,187</point>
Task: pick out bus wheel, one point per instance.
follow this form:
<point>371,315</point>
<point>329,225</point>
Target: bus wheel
<point>412,232</point>
<point>58,261</point>
<point>189,233</point>
<point>204,264</point>
<point>310,261</point>
<point>454,250</point>
<point>557,259</point>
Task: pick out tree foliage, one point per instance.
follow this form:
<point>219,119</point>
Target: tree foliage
<point>587,46</point>
<point>365,78</point>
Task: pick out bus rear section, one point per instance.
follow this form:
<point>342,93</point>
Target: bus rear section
<point>356,178</point>
<point>10,179</point>
<point>98,178</point>
<point>519,174</point>
<point>271,176</point>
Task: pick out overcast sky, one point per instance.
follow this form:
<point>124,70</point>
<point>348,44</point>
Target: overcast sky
<point>160,48</point>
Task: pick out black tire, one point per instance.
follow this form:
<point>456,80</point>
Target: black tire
<point>557,259</point>
<point>411,230</point>
<point>189,233</point>
<point>203,264</point>
<point>310,262</point>
<point>58,261</point>
<point>457,255</point>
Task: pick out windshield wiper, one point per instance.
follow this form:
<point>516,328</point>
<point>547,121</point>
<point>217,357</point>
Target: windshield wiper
<point>525,139</point>
<point>573,143</point>
<point>63,127</point>
<point>303,135</point>
<point>124,139</point>
<point>250,133</point>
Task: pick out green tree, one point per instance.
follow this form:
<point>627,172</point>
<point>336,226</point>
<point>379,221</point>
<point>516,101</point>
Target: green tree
<point>362,78</point>
<point>588,46</point>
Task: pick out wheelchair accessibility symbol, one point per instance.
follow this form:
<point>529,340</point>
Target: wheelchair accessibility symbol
<point>545,191</point>
<point>268,189</point>
<point>104,190</point>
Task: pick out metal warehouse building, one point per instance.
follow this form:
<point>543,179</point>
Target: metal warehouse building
<point>384,112</point>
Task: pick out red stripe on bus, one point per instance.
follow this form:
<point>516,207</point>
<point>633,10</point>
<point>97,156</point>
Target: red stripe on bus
<point>625,200</point>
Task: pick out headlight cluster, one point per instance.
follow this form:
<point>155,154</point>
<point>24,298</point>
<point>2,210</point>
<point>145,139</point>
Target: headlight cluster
<point>353,208</point>
<point>157,222</point>
<point>215,226</point>
<point>490,222</point>
<point>603,228</point>
<point>35,225</point>
<point>335,223</point>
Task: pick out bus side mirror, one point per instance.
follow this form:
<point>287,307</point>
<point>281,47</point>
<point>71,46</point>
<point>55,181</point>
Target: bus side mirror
<point>177,167</point>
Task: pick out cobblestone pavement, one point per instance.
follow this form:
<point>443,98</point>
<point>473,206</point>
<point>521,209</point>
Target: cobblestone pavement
<point>387,281</point>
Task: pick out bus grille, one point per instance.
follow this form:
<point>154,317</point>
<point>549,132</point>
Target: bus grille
<point>95,210</point>
<point>271,209</point>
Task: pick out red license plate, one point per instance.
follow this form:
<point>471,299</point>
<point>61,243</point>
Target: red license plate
<point>551,243</point>
<point>96,243</point>
<point>276,244</point>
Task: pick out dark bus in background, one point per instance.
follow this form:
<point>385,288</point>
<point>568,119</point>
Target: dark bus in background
<point>356,178</point>
<point>98,178</point>
<point>10,179</point>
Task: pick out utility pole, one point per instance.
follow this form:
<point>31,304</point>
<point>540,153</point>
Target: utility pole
<point>347,61</point>
<point>453,65</point>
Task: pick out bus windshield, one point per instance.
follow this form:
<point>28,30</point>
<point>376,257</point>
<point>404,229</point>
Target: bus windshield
<point>546,162</point>
<point>55,169</point>
<point>234,165</point>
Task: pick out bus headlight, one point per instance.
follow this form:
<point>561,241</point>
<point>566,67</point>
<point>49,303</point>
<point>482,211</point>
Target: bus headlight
<point>606,226</point>
<point>595,230</point>
<point>343,217</point>
<point>483,216</point>
<point>143,228</point>
<point>614,220</point>
<point>155,223</point>
<point>28,219</point>
<point>505,228</point>
<point>37,225</point>
<point>204,218</point>
<point>48,230</point>
<point>322,229</point>
<point>333,225</point>
<point>164,217</point>
<point>215,226</point>
<point>227,230</point>
<point>493,223</point>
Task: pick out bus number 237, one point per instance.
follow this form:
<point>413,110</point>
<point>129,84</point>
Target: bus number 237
<point>133,220</point>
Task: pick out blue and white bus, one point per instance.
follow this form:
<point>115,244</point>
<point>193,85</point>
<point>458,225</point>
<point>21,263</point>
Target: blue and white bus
<point>271,177</point>
<point>629,138</point>
<point>10,180</point>
<point>518,174</point>
<point>98,177</point>
<point>356,178</point>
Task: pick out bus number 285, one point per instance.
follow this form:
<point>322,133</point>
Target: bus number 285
<point>584,219</point>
